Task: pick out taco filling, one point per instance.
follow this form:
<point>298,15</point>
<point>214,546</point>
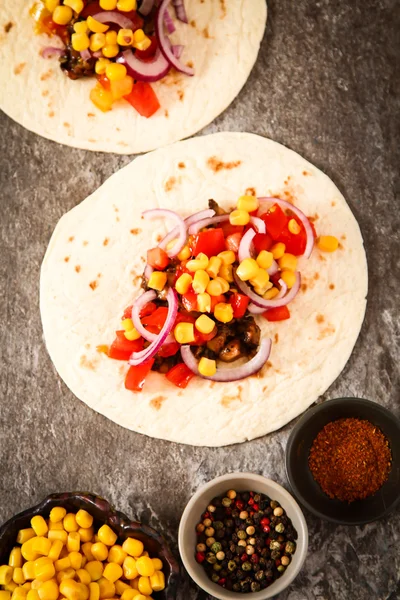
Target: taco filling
<point>124,44</point>
<point>205,283</point>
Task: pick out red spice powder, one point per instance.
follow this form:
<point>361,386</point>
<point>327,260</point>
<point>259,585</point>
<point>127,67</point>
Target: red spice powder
<point>350,459</point>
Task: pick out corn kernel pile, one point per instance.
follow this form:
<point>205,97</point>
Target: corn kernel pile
<point>64,559</point>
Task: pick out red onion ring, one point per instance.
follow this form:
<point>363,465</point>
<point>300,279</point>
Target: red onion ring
<point>300,215</point>
<point>145,7</point>
<point>234,373</point>
<point>203,214</point>
<point>177,50</point>
<point>138,306</point>
<point>273,268</point>
<point>85,54</point>
<point>180,10</point>
<point>137,358</point>
<point>195,228</point>
<point>169,24</point>
<point>275,302</point>
<point>112,16</point>
<point>245,250</point>
<point>98,54</point>
<point>152,70</point>
<point>165,44</point>
<point>156,213</point>
<point>258,224</point>
<point>50,51</point>
<point>148,270</point>
<point>257,310</point>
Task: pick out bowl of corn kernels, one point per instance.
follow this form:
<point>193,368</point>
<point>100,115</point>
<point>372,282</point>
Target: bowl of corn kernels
<point>76,546</point>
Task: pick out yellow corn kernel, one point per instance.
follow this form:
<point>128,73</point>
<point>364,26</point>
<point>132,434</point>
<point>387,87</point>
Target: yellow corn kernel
<point>214,266</point>
<point>121,88</point>
<point>6,573</point>
<point>76,5</point>
<point>289,278</point>
<point>133,547</point>
<point>271,293</point>
<point>158,565</point>
<point>27,585</point>
<point>132,334</point>
<point>327,243</point>
<point>205,325</point>
<point>76,559</point>
<point>116,555</point>
<point>204,302</point>
<point>157,581</point>
<point>39,525</point>
<point>44,569</point>
<point>19,594</point>
<point>83,576</point>
<point>227,256</point>
<point>200,281</point>
<point>70,523</point>
<point>15,558</point>
<point>144,586</point>
<point>239,217</point>
<point>95,569</point>
<point>145,566</point>
<point>55,550</point>
<point>125,37</point>
<point>96,27</point>
<point>226,272</point>
<point>101,98</point>
<point>80,27</point>
<point>207,367</point>
<point>27,551</point>
<point>215,287</point>
<point>108,4</point>
<point>223,312</point>
<point>94,591</point>
<point>288,261</point>
<point>224,284</point>
<point>86,548</point>
<point>157,280</point>
<point>51,5</point>
<point>32,595</point>
<point>247,269</point>
<point>80,41</point>
<point>62,15</point>
<point>67,574</point>
<point>4,595</point>
<point>107,588</point>
<point>129,568</point>
<point>260,280</point>
<point>115,71</point>
<point>248,203</point>
<point>57,534</point>
<point>142,597</point>
<point>85,533</point>
<point>110,50</point>
<point>126,5</point>
<point>101,64</point>
<point>130,594</point>
<point>278,250</point>
<point>18,576</point>
<point>145,553</point>
<point>28,569</point>
<point>57,526</point>
<point>263,290</point>
<point>265,259</point>
<point>184,254</point>
<point>48,591</point>
<point>73,590</point>
<point>97,42</point>
<point>41,545</point>
<point>183,283</point>
<point>184,333</point>
<point>294,227</point>
<point>73,542</point>
<point>111,38</point>
<point>200,262</point>
<point>121,586</point>
<point>10,587</point>
<point>107,535</point>
<point>24,535</point>
<point>112,572</point>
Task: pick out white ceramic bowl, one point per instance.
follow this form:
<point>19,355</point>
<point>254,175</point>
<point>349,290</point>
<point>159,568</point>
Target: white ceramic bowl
<point>240,482</point>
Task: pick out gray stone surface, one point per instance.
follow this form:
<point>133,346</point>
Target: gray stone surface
<point>325,85</point>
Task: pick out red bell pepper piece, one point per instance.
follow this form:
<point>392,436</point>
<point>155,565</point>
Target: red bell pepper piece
<point>239,303</point>
<point>157,258</point>
<point>216,300</point>
<point>280,313</point>
<point>189,300</point>
<point>180,375</point>
<point>143,98</point>
<point>121,348</point>
<point>136,376</point>
<point>210,242</point>
<point>275,220</point>
<point>232,242</point>
<point>262,241</point>
<point>230,229</point>
<point>168,349</point>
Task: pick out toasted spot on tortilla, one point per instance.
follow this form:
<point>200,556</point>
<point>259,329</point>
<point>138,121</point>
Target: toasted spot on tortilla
<point>340,246</point>
<point>93,284</point>
<point>135,231</point>
<point>276,338</point>
<point>181,95</point>
<point>91,140</point>
<point>169,184</point>
<point>306,173</point>
<point>91,115</point>
<point>19,68</point>
<point>223,8</point>
<point>71,239</point>
<point>331,286</point>
<point>190,64</point>
<point>212,384</point>
<point>322,258</point>
<point>98,274</point>
<point>106,241</point>
<point>206,33</point>
<point>8,26</point>
<point>227,400</point>
<point>181,165</point>
<point>329,330</point>
<point>320,318</point>
<point>87,345</point>
<point>343,237</point>
<point>157,402</point>
<point>268,363</point>
<point>250,191</point>
<point>85,243</point>
<point>122,370</point>
<point>193,23</point>
<point>303,287</point>
<point>78,268</point>
<point>51,113</point>
<point>117,129</point>
<point>265,388</point>
<point>216,165</point>
<point>316,275</point>
<point>122,143</point>
<point>173,78</point>
<point>313,218</point>
<point>86,363</point>
<point>333,203</point>
<point>45,93</point>
<point>66,259</point>
<point>166,113</point>
<point>66,124</point>
<point>46,75</point>
<point>158,238</point>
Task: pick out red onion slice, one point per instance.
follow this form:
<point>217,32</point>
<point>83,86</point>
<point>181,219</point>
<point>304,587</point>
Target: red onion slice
<point>165,44</point>
<point>148,271</point>
<point>156,213</point>
<point>169,24</point>
<point>152,70</point>
<point>180,10</point>
<point>137,358</point>
<point>300,215</point>
<point>203,214</point>
<point>145,7</point>
<point>50,51</point>
<point>258,310</point>
<point>138,306</point>
<point>177,50</point>
<point>85,54</point>
<point>258,224</point>
<point>275,302</point>
<point>234,373</point>
<point>112,16</point>
<point>245,246</point>
<point>98,54</point>
<point>196,227</point>
<point>273,268</point>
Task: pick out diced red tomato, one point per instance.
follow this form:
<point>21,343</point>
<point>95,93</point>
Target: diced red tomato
<point>180,375</point>
<point>143,98</point>
<point>150,52</point>
<point>169,349</point>
<point>232,242</point>
<point>216,300</point>
<point>275,220</point>
<point>202,338</point>
<point>155,321</point>
<point>136,376</point>
<point>229,229</point>
<point>280,313</point>
<point>210,242</point>
<point>189,301</point>
<point>104,81</point>
<point>48,26</point>
<point>262,241</point>
<point>121,348</point>
<point>295,242</point>
<point>148,310</point>
<point>239,303</point>
<point>127,313</point>
<point>157,258</point>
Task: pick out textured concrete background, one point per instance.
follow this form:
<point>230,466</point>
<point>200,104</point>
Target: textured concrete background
<point>324,85</point>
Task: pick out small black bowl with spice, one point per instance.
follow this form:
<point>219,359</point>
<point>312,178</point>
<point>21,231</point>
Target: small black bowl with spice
<point>343,461</point>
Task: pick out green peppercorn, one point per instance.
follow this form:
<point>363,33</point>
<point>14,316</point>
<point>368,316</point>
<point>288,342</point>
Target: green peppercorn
<point>252,541</point>
<point>257,498</point>
<point>226,502</point>
<point>217,567</point>
<point>285,560</point>
<point>216,547</point>
<point>211,558</point>
<point>275,554</point>
<point>218,525</point>
<point>281,568</point>
<point>231,565</point>
<point>242,535</point>
<point>290,547</point>
<point>255,586</point>
<point>260,575</point>
<point>280,528</point>
<point>274,545</point>
<point>274,504</point>
<point>246,566</point>
<point>215,577</point>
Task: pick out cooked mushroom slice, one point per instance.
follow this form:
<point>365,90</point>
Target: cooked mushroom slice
<point>232,351</point>
<point>215,206</point>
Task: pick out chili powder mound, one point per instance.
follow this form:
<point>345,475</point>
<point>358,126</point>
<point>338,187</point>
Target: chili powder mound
<point>350,459</point>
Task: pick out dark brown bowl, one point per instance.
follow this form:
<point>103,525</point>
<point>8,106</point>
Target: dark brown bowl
<point>103,512</point>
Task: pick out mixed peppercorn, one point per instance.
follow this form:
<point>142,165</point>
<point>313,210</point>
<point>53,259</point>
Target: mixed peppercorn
<point>245,541</point>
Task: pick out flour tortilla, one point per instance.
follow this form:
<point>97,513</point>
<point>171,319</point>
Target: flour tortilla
<point>222,42</point>
<point>105,239</point>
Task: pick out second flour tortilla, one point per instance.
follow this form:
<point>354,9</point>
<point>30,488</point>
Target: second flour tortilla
<point>95,259</point>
